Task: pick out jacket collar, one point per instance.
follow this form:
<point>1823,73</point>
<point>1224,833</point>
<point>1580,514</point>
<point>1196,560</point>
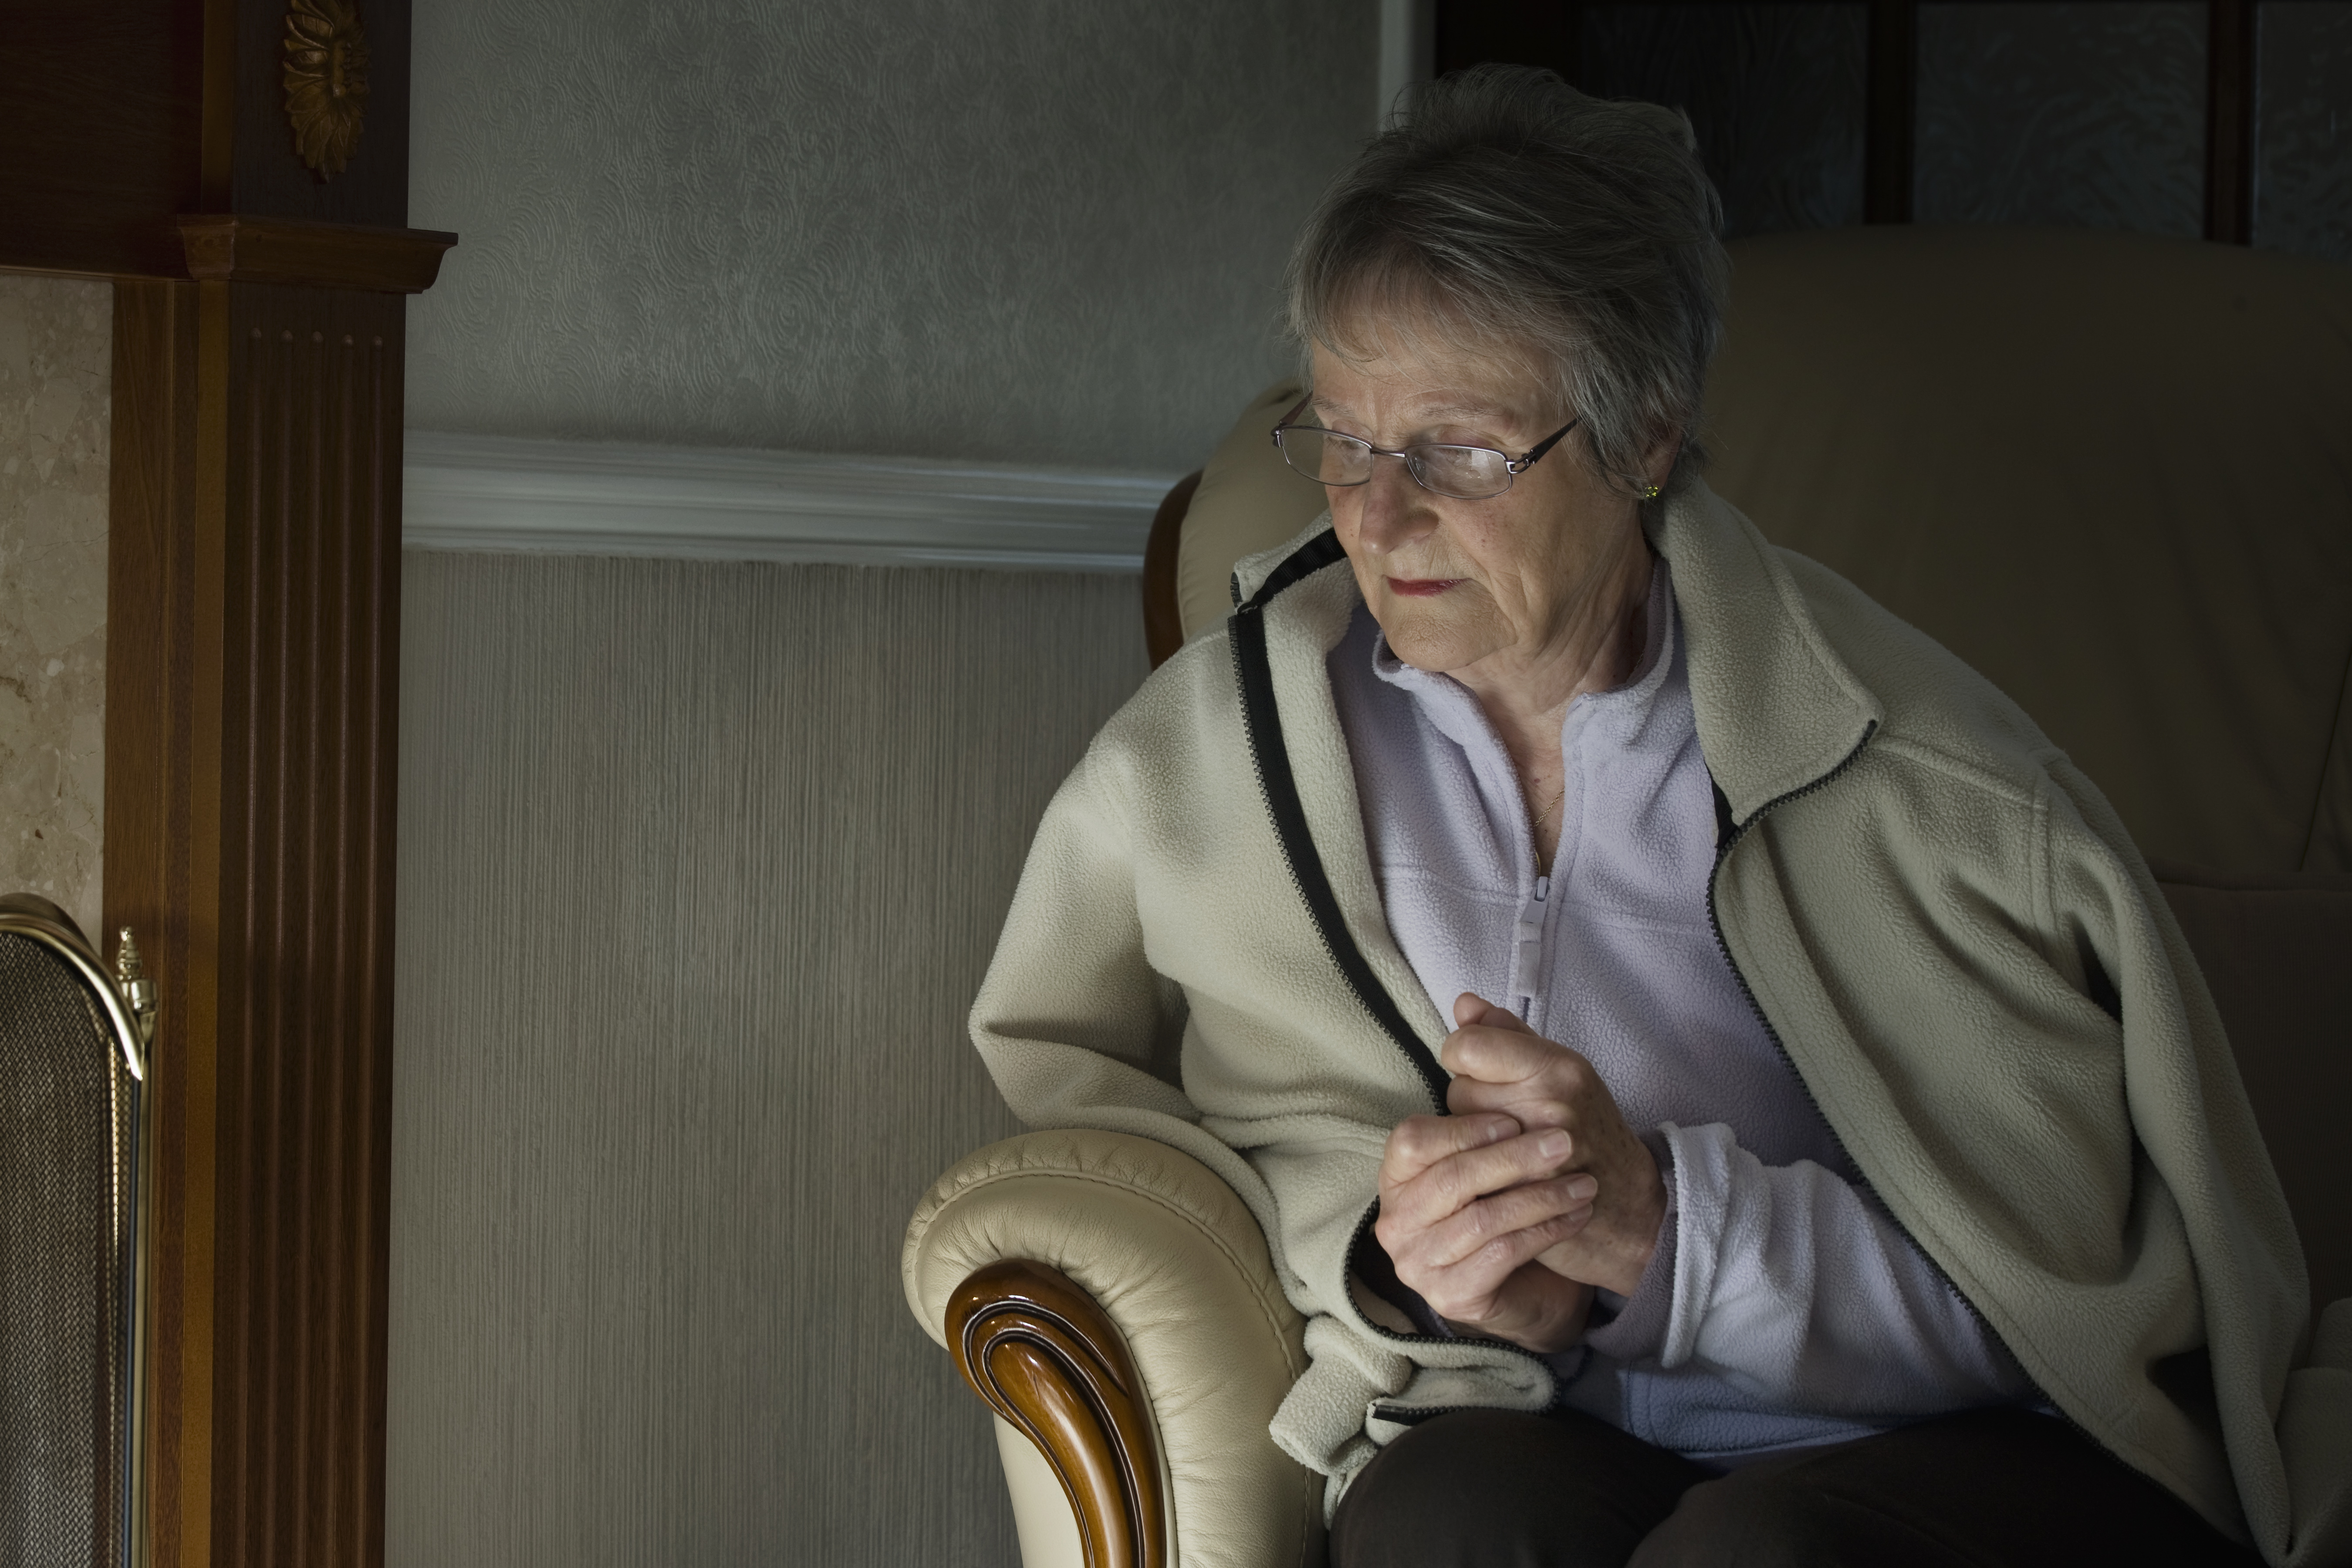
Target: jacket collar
<point>1778,708</point>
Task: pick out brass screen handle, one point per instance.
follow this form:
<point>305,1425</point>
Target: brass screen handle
<point>138,991</point>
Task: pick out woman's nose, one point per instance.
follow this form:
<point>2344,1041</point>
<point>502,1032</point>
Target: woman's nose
<point>1397,510</point>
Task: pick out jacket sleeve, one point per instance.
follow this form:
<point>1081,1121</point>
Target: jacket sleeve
<point>1074,1024</point>
<point>1787,1282</point>
<point>2287,1429</point>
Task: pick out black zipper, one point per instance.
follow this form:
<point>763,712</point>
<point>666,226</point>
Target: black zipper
<point>1262,723</point>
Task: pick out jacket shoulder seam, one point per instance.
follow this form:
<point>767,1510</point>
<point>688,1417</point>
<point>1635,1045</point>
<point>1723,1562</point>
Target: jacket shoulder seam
<point>2021,791</point>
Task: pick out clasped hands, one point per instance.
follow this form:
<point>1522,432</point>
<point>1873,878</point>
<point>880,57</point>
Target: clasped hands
<point>1507,1214</point>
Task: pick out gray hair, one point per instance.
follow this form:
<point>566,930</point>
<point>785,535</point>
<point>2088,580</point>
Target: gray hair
<point>1578,233</point>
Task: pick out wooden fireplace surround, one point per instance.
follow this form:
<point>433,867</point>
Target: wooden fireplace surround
<point>253,642</point>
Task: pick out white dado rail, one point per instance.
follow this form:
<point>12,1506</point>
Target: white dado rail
<point>599,498</point>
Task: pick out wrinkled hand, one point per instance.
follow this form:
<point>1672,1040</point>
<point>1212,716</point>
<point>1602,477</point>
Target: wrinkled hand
<point>1467,1203</point>
<point>1503,1068</point>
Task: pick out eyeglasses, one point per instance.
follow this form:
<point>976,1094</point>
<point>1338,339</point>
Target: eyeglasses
<point>1465,473</point>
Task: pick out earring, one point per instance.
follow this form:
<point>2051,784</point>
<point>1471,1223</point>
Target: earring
<point>1649,492</point>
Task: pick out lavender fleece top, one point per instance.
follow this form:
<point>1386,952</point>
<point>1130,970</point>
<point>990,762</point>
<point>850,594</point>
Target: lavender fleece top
<point>1774,1270</point>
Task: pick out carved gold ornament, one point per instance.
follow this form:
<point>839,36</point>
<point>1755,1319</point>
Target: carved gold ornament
<point>326,81</point>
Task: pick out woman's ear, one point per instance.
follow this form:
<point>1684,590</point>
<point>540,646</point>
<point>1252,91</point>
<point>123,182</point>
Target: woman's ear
<point>1658,462</point>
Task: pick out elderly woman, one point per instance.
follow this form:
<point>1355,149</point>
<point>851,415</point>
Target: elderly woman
<point>1708,1069</point>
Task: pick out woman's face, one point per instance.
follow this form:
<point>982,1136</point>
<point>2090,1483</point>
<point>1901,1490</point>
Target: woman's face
<point>1478,587</point>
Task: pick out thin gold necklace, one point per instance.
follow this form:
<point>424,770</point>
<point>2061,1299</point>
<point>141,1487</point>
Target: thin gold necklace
<point>1534,833</point>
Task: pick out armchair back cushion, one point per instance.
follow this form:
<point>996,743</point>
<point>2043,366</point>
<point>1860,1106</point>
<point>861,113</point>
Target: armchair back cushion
<point>2111,471</point>
<point>2277,952</point>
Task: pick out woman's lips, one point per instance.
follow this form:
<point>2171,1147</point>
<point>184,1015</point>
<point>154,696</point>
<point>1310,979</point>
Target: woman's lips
<point>1421,587</point>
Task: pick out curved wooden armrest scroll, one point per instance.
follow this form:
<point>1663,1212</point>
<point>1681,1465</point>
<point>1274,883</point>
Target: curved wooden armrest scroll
<point>1046,1358</point>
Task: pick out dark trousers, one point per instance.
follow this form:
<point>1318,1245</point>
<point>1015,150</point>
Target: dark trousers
<point>1989,1488</point>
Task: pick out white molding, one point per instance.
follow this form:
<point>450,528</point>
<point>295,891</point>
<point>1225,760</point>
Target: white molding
<point>598,498</point>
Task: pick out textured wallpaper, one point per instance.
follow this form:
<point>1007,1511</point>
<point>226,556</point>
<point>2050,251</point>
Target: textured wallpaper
<point>2303,186</point>
<point>700,867</point>
<point>56,338</point>
<point>1775,93</point>
<point>2087,112</point>
<point>1034,230</point>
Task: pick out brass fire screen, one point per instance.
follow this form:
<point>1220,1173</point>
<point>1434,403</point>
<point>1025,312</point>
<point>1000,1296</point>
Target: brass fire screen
<point>69,1137</point>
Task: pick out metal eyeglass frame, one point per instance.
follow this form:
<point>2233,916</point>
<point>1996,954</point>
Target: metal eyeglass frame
<point>1512,467</point>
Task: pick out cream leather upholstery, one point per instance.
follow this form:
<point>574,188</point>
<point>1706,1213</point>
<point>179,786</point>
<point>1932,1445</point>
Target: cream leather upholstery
<point>1180,1267</point>
<point>1042,1520</point>
<point>1249,500</point>
<point>2111,471</point>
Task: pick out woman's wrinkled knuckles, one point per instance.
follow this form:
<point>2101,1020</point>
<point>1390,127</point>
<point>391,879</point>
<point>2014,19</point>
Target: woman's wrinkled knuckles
<point>1550,1229</point>
<point>1530,1204</point>
<point>1471,1226</point>
<point>1551,1200</point>
<point>1490,1126</point>
<point>1430,1138</point>
<point>1451,1237</point>
<point>1496,1055</point>
<point>1461,1054</point>
<point>1558,1113</point>
<point>1506,1253</point>
<point>1411,1208</point>
<point>1426,1136</point>
<point>1496,1168</point>
<point>1443,1188</point>
<point>1410,1238</point>
<point>1413,1145</point>
<point>1475,1096</point>
<point>1463,1240</point>
<point>1511,1245</point>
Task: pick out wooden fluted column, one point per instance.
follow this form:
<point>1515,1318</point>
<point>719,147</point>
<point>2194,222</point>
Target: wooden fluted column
<point>251,726</point>
<point>240,169</point>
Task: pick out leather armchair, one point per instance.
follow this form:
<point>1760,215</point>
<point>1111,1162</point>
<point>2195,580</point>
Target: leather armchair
<point>2113,472</point>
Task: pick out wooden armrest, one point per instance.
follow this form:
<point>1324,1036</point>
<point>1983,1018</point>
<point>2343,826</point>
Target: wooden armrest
<point>1045,1358</point>
<point>1115,1303</point>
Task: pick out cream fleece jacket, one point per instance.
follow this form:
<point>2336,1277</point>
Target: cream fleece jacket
<point>1939,918</point>
<point>1802,1314</point>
